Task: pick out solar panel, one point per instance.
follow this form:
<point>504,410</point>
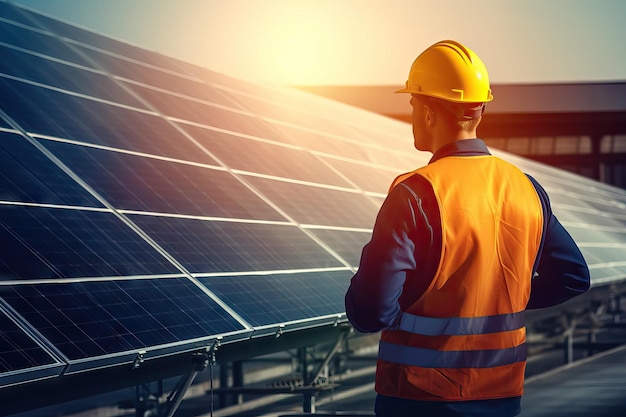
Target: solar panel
<point>150,205</point>
<point>97,319</point>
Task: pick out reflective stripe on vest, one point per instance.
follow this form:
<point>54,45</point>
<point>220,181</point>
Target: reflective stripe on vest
<point>433,326</point>
<point>429,358</point>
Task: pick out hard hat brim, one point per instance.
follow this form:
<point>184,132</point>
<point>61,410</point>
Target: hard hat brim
<point>403,90</point>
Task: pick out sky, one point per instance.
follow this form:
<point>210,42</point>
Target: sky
<point>365,42</point>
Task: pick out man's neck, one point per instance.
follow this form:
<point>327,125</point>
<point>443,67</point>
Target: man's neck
<point>454,137</point>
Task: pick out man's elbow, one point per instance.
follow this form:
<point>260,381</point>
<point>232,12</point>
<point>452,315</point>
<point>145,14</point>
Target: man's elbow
<point>578,283</point>
<point>581,281</point>
<point>367,318</point>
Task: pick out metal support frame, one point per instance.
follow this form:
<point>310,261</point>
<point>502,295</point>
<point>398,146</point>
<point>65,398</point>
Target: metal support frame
<point>176,396</point>
<point>231,374</point>
<point>568,335</point>
<point>600,317</point>
<point>311,382</point>
<point>615,307</point>
<point>147,399</point>
<point>308,400</point>
<point>200,361</point>
<point>148,402</point>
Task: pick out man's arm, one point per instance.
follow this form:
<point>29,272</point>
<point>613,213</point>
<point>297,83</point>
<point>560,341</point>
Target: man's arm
<point>562,272</point>
<point>401,235</point>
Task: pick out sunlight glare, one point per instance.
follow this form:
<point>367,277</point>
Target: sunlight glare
<point>298,46</point>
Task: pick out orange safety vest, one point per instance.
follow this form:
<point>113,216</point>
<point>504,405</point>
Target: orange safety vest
<point>465,337</point>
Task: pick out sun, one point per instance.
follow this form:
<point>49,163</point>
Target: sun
<point>298,44</point>
<point>298,57</point>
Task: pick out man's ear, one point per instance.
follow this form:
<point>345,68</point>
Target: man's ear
<point>429,115</point>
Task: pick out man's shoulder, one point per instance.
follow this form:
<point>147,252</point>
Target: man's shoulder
<point>413,180</point>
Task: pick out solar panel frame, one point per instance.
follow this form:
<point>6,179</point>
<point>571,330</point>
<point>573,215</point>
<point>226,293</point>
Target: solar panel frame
<point>23,358</point>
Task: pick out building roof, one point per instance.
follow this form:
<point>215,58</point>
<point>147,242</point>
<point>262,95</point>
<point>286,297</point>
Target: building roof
<point>508,98</point>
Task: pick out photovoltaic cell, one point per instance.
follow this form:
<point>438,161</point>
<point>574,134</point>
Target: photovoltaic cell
<point>135,73</point>
<point>584,232</point>
<point>62,243</point>
<point>266,158</point>
<point>90,319</point>
<point>219,246</point>
<point>321,206</point>
<point>319,142</point>
<point>28,176</point>
<point>47,112</point>
<point>7,11</point>
<point>42,70</point>
<point>347,243</point>
<point>278,109</point>
<point>132,182</point>
<point>612,211</point>
<point>263,107</point>
<point>606,255</point>
<point>263,300</point>
<point>37,42</point>
<point>365,177</point>
<point>578,214</point>
<point>205,112</point>
<point>80,35</point>
<point>139,71</point>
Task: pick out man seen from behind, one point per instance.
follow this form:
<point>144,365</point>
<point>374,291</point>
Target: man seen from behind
<point>460,249</point>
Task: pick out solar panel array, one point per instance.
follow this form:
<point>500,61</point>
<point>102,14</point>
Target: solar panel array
<point>150,205</point>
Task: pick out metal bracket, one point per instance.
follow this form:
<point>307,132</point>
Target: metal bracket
<point>212,350</point>
<point>139,359</point>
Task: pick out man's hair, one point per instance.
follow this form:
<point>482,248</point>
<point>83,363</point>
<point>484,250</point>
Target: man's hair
<point>454,112</point>
<point>468,125</point>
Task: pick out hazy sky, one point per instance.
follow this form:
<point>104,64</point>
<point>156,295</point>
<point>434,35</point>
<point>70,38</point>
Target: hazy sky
<point>349,42</point>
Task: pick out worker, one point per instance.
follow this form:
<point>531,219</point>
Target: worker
<point>460,249</point>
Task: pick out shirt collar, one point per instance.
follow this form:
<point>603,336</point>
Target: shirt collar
<point>465,147</point>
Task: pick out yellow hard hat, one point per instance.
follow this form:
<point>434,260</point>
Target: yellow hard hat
<point>449,71</point>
